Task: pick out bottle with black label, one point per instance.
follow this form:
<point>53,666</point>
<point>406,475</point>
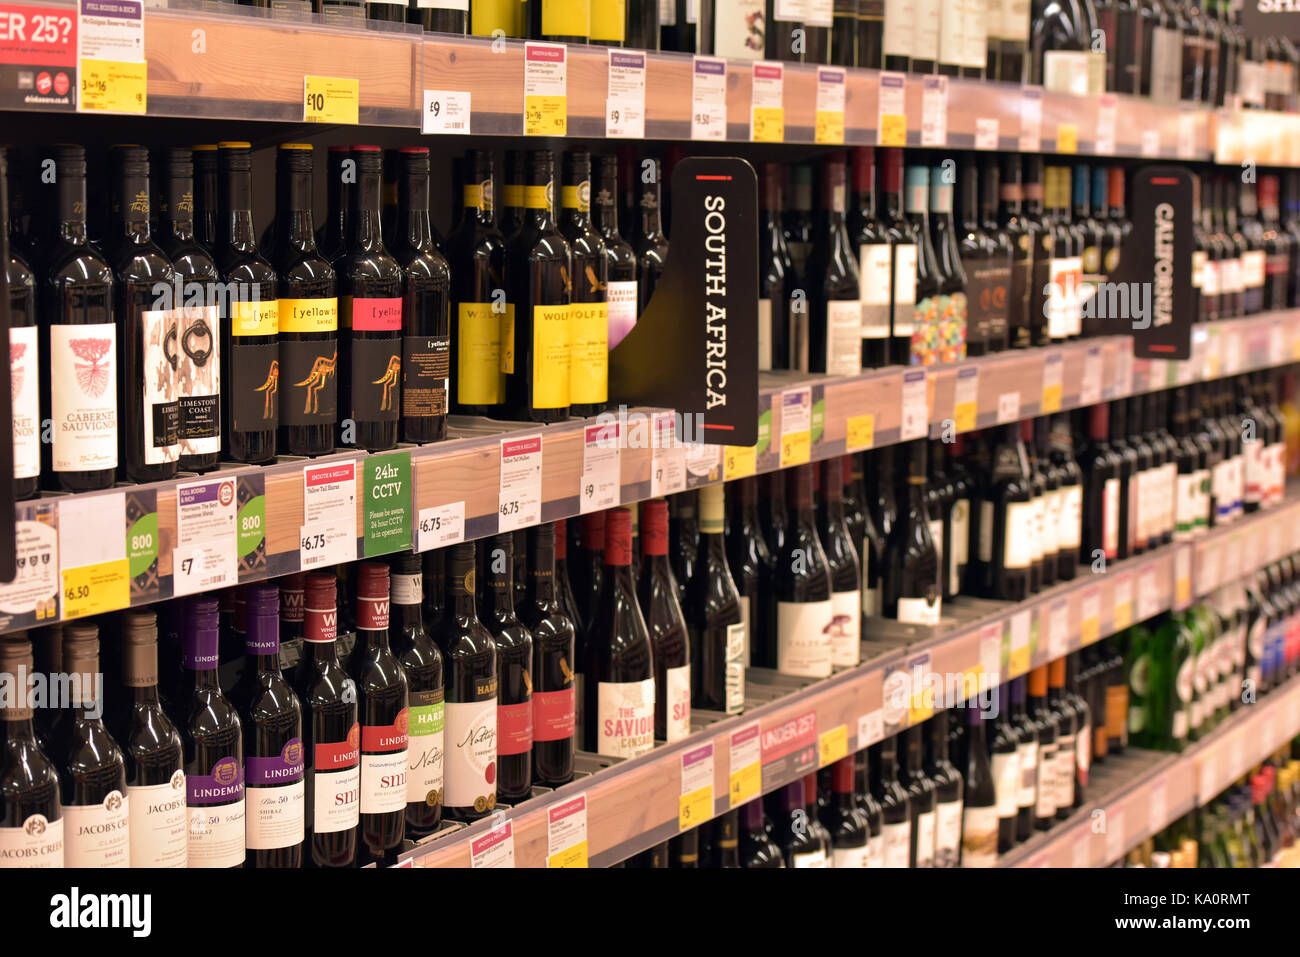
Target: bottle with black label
<point>911,587</point>
<point>589,273</point>
<point>1021,232</point>
<point>426,305</point>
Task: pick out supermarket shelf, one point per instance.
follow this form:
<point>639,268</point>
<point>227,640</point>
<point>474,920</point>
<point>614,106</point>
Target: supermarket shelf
<point>1147,792</point>
<point>1259,137</point>
<point>801,724</point>
<point>459,481</point>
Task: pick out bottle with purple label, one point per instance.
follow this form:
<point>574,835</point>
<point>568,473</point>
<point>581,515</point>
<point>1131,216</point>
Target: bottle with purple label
<point>271,715</point>
<point>214,753</point>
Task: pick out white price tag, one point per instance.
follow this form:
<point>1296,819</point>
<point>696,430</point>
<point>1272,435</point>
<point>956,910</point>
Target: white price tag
<point>1053,383</point>
<point>1021,627</point>
<point>767,94</point>
<point>1150,142</point>
<point>1107,109</point>
<point>891,112</point>
<point>1158,807</point>
<point>986,133</point>
<point>1081,851</point>
<point>1116,840</point>
<point>667,457</point>
<point>520,498</point>
<point>599,487</point>
<point>915,404</point>
<point>439,526</point>
<point>206,533</point>
<point>696,803</point>
<point>1149,593</point>
<point>1207,572</point>
<point>709,99</point>
<point>1058,630</point>
<point>113,31</point>
<point>545,69</point>
<point>446,111</point>
<point>829,120</point>
<point>1008,407</point>
<point>871,728</point>
<point>934,111</point>
<point>991,651</point>
<point>1090,384</point>
<point>1031,120</point>
<point>1187,134</point>
<point>625,102</point>
<point>1277,344</point>
<point>566,833</point>
<point>494,849</point>
<point>329,527</point>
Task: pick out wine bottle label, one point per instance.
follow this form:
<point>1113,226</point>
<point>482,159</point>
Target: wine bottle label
<point>372,614</point>
<point>620,305</point>
<point>334,798</point>
<point>815,858</point>
<point>216,815</point>
<point>1070,527</point>
<point>947,834</point>
<point>37,843</point>
<point>747,619</point>
<point>198,380</point>
<point>1083,754</point>
<point>959,553</point>
<point>383,781</point>
<point>875,851</point>
<point>818,13</point>
<point>554,714</point>
<point>1027,754</point>
<point>850,857</point>
<point>308,369</point>
<point>426,369</point>
<point>897,844</point>
<point>158,823</point>
<point>515,728</point>
<point>1065,747</point>
<point>424,778</point>
<point>254,386</point>
<point>925,825</point>
<point>734,677</point>
<point>460,5</point>
<point>376,379</point>
<point>589,352</point>
<point>846,628</point>
<point>1188,497</point>
<point>919,611</point>
<point>952,34</point>
<point>1052,508</point>
<point>677,704</point>
<point>987,299</point>
<point>667,13</point>
<point>789,10</point>
<point>257,318</point>
<point>276,816</point>
<point>406,589</point>
<point>904,290</point>
<point>372,315</point>
<point>843,338</point>
<point>1166,64</point>
<point>625,717</point>
<point>566,19</point>
<point>607,22</point>
<point>479,361</point>
<point>308,315</point>
<point>1066,71</point>
<point>979,843</point>
<point>900,26</point>
<point>803,639</point>
<point>1020,534</point>
<point>986,532</point>
<point>24,382</point>
<point>738,29</point>
<point>1006,782</point>
<point>98,835</point>
<point>1110,518</point>
<point>471,737</point>
<point>158,360</point>
<point>875,272</point>
<point>1045,805</point>
<point>550,357</point>
<point>1255,477</point>
<point>1014,20</point>
<point>974,52</point>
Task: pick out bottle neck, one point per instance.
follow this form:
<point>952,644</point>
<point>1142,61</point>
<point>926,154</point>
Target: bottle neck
<point>650,219</point>
<point>297,210</point>
<point>413,200</point>
<point>180,207</point>
<point>135,207</point>
<point>460,589</point>
<point>364,233</point>
<point>239,190</point>
<point>409,617</point>
<point>541,577</point>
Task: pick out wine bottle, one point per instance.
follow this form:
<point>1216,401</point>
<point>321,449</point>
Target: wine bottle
<point>31,818</point>
<point>951,320</point>
<point>214,753</point>
<point>922,800</point>
<point>478,272</point>
<point>715,623</point>
<point>842,559</point>
<point>757,850</point>
<point>331,237</point>
<point>1007,526</point>
<point>308,313</point>
<point>894,801</point>
<point>1026,758</point>
<point>791,826</point>
<point>1067,725</point>
<point>470,657</point>
<point>802,589</point>
<point>752,565</point>
<point>981,817</point>
<point>621,296</point>
<point>442,16</point>
<point>903,241</point>
<point>776,277</point>
<point>658,593</point>
<point>683,539</point>
<point>207,208</point>
<point>24,357</point>
<point>986,255</point>
<point>553,696</point>
<point>931,301</point>
<point>332,734</point>
<point>950,796</point>
<point>589,274</point>
<point>832,275</point>
<point>649,242</point>
<point>1004,748</point>
<point>911,578</point>
<point>514,647</point>
<point>1045,721</point>
<point>1083,731</point>
<point>875,261</point>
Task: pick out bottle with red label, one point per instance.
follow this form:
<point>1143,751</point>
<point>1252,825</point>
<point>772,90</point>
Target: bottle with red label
<point>514,644</point>
<point>658,593</point>
<point>291,614</point>
<point>553,660</point>
<point>381,692</point>
<point>331,733</point>
<point>370,281</point>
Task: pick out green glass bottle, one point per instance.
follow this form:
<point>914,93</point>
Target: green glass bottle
<point>1137,668</point>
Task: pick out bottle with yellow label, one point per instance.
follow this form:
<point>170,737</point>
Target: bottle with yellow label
<point>308,314</point>
<point>512,193</point>
<point>560,21</point>
<point>535,350</point>
<point>480,306</point>
<point>588,317</point>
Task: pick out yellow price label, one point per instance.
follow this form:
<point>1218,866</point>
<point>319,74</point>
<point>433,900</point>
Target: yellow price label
<point>546,115</point>
<point>963,416</point>
<point>1018,662</point>
<point>1067,138</point>
<point>919,709</point>
<point>96,589</point>
<point>695,808</point>
<point>1089,630</point>
<point>830,127</point>
<point>1295,349</point>
<point>769,124</point>
<point>893,130</point>
<point>740,461</point>
<point>331,99</point>
<point>1051,399</point>
<point>575,856</point>
<point>796,448</point>
<point>108,86</point>
<point>745,784</point>
<point>1183,590</point>
<point>1123,615</point>
<point>834,744</point>
<point>861,432</point>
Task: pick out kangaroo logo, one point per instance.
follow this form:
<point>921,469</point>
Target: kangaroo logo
<point>270,387</point>
<point>389,381</point>
<point>321,370</point>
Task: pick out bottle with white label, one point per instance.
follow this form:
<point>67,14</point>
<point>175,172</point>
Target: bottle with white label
<point>804,607</point>
<point>922,799</point>
<point>903,240</point>
<point>514,644</point>
<point>1004,753</point>
<point>832,279</point>
<point>870,238</point>
<point>846,576</point>
<point>155,777</point>
<point>718,634</point>
<point>981,812</point>
<point>1045,720</point>
<point>1060,449</point>
<point>31,821</point>
<point>949,792</point>
<point>1026,757</point>
<point>658,596</point>
<point>214,751</point>
<point>24,371</point>
<point>1068,726</point>
<point>911,583</point>
<point>895,804</point>
<point>845,820</point>
<point>275,791</point>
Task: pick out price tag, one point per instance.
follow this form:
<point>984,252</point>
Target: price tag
<point>1107,109</point>
<point>1187,134</point>
<point>439,526</point>
<point>1090,383</point>
<point>833,744</point>
<point>740,461</point>
<point>965,398</point>
<point>1053,376</point>
<point>1149,593</point>
<point>916,411</point>
<point>494,849</point>
<point>331,99</point>
<point>1183,577</point>
<point>667,457</point>
<point>206,531</point>
<point>991,653</point>
<point>1067,138</point>
<point>1151,142</point>
<point>695,806</point>
<point>625,103</point>
<point>1019,625</point>
<point>110,54</point>
<point>1115,836</point>
<point>767,113</point>
<point>1207,571</point>
<point>599,486</point>
<point>860,432</point>
<point>871,729</point>
<point>1208,784</point>
<point>33,596</point>
<point>1277,349</point>
<point>545,101</point>
<point>830,106</point>
<point>1081,851</point>
<point>566,834</point>
<point>520,496</point>
<point>1008,407</point>
<point>1122,610</point>
<point>921,697</point>
<point>1031,120</point>
<point>709,99</point>
<point>108,86</point>
<point>329,528</point>
<point>446,111</point>
<point>1157,806</point>
<point>93,554</point>
<point>796,426</point>
<point>891,116</point>
<point>986,133</point>
<point>703,464</point>
<point>746,764</point>
<point>1090,617</point>
<point>934,111</point>
<point>1058,630</point>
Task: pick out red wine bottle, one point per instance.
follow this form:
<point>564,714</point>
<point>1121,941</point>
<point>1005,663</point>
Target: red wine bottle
<point>751,564</point>
<point>757,849</point>
<point>982,816</point>
<point>621,296</point>
<point>207,209</point>
<point>658,595</point>
<point>470,657</point>
<point>25,367</point>
<point>31,819</point>
<point>214,751</point>
<point>332,736</point>
<point>514,646</point>
<point>589,275</point>
<point>649,241</point>
<point>382,705</point>
<point>553,656</point>
<point>1007,527</point>
<point>870,239</point>
<point>833,283</point>
<point>620,675</point>
<point>846,575</point>
<point>845,820</point>
<point>273,753</point>
<point>804,607</point>
<point>332,236</point>
<point>713,615</point>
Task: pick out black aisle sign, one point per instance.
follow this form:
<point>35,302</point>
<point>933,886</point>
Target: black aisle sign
<point>1266,19</point>
<point>695,348</point>
<point>1155,271</point>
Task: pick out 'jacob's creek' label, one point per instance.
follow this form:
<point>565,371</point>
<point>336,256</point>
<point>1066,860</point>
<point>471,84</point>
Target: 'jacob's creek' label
<point>308,365</point>
<point>254,365</point>
<point>375,356</point>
